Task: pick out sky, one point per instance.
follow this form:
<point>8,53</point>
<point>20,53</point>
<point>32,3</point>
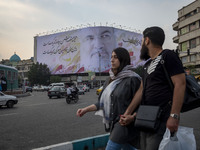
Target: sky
<point>21,20</point>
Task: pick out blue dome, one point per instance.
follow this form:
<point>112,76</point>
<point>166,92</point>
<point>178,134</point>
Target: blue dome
<point>15,58</point>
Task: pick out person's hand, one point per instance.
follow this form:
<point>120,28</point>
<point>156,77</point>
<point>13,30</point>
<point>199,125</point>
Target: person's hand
<point>81,112</point>
<point>172,124</point>
<point>126,119</point>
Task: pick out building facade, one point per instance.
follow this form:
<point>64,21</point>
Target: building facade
<point>188,36</point>
<point>23,66</point>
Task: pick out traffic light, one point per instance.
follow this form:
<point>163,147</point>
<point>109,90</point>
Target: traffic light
<point>188,51</point>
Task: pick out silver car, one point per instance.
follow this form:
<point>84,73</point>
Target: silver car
<point>7,100</point>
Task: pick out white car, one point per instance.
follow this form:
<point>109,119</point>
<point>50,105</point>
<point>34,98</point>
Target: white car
<point>7,100</point>
<point>85,88</point>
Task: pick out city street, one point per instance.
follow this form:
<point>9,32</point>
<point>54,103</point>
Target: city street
<point>37,121</point>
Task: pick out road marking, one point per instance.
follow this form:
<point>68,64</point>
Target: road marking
<point>8,114</point>
<point>49,103</point>
<point>38,104</point>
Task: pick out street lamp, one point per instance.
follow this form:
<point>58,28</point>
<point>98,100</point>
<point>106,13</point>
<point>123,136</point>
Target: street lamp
<point>99,67</point>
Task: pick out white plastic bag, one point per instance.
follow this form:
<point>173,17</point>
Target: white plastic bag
<point>183,139</point>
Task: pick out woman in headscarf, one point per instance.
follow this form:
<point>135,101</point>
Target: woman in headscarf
<point>118,91</point>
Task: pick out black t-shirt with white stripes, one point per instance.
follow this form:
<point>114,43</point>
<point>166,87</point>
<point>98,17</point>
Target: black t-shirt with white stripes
<point>157,91</point>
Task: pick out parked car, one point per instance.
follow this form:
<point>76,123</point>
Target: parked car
<point>98,91</point>
<point>29,89</point>
<point>7,100</point>
<point>45,88</point>
<point>81,91</point>
<point>82,87</point>
<point>57,91</point>
<point>85,88</point>
<point>35,88</point>
<point>56,84</point>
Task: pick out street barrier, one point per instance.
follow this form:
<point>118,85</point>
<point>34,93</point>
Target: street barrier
<point>91,143</point>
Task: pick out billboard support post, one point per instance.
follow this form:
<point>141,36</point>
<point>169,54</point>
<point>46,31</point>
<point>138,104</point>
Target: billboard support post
<point>99,68</point>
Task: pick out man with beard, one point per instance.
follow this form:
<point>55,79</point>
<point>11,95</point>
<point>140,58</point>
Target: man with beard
<point>96,48</point>
<point>157,91</point>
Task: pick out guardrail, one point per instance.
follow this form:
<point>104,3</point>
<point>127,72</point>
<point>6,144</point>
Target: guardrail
<point>91,143</point>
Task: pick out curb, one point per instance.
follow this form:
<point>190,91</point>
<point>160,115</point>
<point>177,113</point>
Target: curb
<point>92,143</point>
<point>22,95</point>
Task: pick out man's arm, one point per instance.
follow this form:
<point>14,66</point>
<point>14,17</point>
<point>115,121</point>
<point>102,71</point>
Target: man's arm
<point>127,117</point>
<point>178,98</point>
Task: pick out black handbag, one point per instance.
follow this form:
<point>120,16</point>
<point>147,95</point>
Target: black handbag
<point>192,91</point>
<point>148,118</point>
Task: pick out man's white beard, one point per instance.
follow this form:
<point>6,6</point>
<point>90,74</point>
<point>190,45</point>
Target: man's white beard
<point>95,62</point>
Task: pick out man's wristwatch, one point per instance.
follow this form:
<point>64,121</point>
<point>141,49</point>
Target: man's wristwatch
<point>175,116</point>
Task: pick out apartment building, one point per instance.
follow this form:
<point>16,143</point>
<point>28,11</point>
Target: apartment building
<point>188,36</point>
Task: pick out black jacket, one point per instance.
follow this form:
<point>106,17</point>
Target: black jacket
<point>121,97</point>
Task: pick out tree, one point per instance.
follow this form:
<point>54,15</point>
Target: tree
<point>39,74</point>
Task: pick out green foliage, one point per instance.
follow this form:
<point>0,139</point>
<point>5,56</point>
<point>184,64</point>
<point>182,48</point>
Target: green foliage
<point>139,70</point>
<point>39,74</point>
<point>55,79</point>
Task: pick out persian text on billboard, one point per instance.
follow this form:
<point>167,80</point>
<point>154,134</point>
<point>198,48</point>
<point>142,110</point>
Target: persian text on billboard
<point>86,50</point>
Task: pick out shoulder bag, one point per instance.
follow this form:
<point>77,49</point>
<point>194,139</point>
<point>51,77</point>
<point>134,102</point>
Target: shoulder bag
<point>192,91</point>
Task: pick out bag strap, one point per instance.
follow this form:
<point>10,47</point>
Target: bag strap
<point>166,74</point>
<point>162,62</point>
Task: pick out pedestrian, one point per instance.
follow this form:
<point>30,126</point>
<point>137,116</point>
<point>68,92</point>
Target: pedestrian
<point>156,90</point>
<point>3,83</point>
<point>114,99</point>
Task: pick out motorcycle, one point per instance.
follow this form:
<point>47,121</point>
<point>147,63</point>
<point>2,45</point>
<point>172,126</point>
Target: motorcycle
<point>72,97</point>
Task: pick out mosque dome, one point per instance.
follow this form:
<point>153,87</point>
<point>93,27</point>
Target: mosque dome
<point>15,58</point>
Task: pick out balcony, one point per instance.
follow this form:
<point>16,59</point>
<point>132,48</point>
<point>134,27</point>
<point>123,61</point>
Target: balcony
<point>176,39</point>
<point>175,26</point>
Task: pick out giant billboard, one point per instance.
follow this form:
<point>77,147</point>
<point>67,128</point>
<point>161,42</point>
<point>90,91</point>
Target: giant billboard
<point>85,50</point>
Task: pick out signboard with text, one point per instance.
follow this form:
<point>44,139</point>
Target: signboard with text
<point>86,50</point>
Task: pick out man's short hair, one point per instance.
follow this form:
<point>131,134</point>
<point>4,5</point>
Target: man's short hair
<point>155,34</point>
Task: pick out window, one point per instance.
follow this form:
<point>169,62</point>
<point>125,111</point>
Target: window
<point>195,12</point>
<point>193,57</point>
<point>188,15</point>
<point>16,76</point>
<point>13,76</point>
<point>184,46</point>
<point>2,72</point>
<point>184,30</point>
<point>184,59</point>
<point>9,75</point>
<point>193,43</point>
<point>193,26</point>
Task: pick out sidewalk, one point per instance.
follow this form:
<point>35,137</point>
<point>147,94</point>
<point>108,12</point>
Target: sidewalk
<point>17,93</point>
